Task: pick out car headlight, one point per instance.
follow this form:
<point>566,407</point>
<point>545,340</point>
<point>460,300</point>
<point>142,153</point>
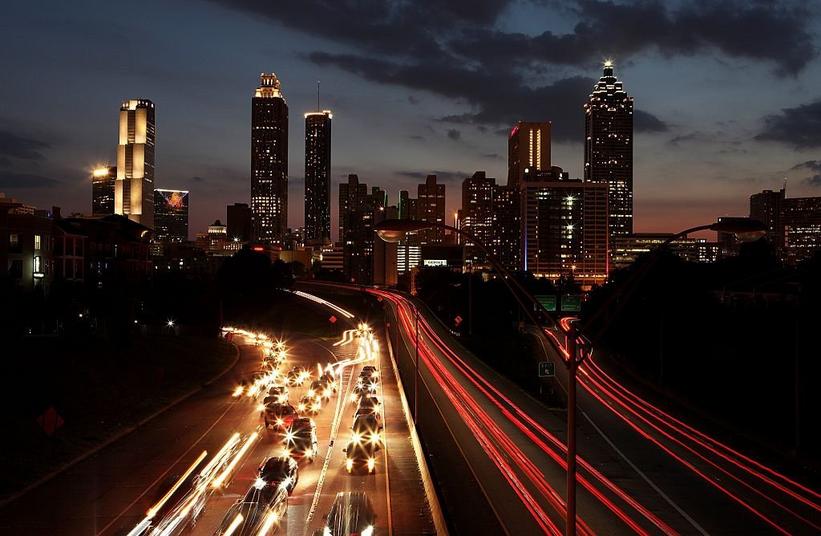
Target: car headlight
<point>348,464</point>
<point>260,407</point>
<point>371,464</point>
<point>259,483</point>
<point>356,437</point>
<point>285,482</point>
<point>280,422</point>
<point>375,437</point>
<point>310,393</point>
<point>368,531</point>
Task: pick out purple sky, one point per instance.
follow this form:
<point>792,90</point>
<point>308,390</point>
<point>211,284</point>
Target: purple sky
<point>728,93</point>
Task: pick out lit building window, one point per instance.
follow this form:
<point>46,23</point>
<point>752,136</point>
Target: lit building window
<point>37,242</point>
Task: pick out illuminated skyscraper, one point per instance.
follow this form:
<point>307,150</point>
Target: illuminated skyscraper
<point>318,176</point>
<point>476,216</point>
<point>608,148</point>
<point>430,207</point>
<point>170,215</point>
<point>134,188</point>
<point>103,181</point>
<point>358,210</point>
<point>528,151</point>
<point>269,161</point>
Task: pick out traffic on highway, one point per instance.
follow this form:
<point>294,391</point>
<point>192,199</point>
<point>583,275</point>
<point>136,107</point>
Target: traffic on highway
<point>304,411</point>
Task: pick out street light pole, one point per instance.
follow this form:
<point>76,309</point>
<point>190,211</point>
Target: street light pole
<point>416,367</point>
<point>572,366</point>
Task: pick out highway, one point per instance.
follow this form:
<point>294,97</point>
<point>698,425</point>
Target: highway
<point>181,472</point>
<point>641,471</point>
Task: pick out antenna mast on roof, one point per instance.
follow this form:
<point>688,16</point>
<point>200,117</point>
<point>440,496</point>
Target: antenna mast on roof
<point>317,96</point>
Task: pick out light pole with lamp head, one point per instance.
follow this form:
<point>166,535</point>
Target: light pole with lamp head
<point>394,230</point>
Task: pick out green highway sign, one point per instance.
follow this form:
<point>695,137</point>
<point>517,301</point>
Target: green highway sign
<point>548,301</point>
<point>571,303</point>
<point>547,369</point>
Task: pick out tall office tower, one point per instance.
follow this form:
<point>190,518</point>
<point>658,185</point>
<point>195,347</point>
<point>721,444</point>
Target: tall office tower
<point>170,215</point>
<point>269,161</point>
<point>565,229</point>
<point>318,177</point>
<point>134,188</point>
<point>357,212</point>
<point>528,150</point>
<point>507,232</point>
<point>239,222</point>
<point>608,148</point>
<point>431,208</point>
<point>351,195</point>
<point>476,216</point>
<point>793,223</point>
<point>103,181</point>
<point>767,207</point>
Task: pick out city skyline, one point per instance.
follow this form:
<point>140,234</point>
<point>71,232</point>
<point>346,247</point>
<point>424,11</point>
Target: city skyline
<point>743,146</point>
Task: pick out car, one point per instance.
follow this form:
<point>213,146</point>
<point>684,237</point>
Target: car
<point>310,405</point>
<point>350,513</point>
<point>366,423</point>
<point>278,471</point>
<point>320,389</point>
<point>275,497</point>
<point>328,379</point>
<point>300,441</point>
<point>280,392</point>
<point>369,402</point>
<point>363,389</point>
<point>370,372</point>
<point>363,412</point>
<point>279,416</point>
<point>360,457</point>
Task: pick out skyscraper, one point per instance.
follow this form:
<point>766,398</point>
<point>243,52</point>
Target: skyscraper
<point>430,207</point>
<point>476,216</point>
<point>134,188</point>
<point>170,215</point>
<point>793,223</point>
<point>608,148</point>
<point>239,222</point>
<point>564,228</point>
<point>358,211</point>
<point>528,150</point>
<point>351,194</point>
<point>506,239</point>
<point>103,181</point>
<point>318,177</point>
<point>269,161</point>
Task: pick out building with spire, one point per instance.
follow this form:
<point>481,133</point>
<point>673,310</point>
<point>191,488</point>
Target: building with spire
<point>608,149</point>
<point>528,151</point>
<point>318,177</point>
<point>269,161</point>
<point>134,187</point>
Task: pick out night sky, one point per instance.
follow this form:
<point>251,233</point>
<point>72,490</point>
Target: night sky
<point>728,94</point>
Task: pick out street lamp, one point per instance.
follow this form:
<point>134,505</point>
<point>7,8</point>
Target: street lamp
<point>745,229</point>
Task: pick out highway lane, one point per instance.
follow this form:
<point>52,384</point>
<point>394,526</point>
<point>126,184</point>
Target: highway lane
<point>722,490</point>
<point>110,492</point>
<point>518,464</point>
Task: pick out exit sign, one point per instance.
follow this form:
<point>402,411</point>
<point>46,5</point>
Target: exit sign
<point>547,369</point>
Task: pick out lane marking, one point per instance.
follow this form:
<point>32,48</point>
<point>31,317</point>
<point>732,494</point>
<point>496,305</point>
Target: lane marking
<point>385,443</point>
<point>331,441</point>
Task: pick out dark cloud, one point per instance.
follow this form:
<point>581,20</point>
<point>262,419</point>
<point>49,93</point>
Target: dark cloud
<point>443,176</point>
<point>416,137</point>
<point>492,156</point>
<point>413,100</point>
<point>21,147</point>
<point>799,127</point>
<point>4,162</point>
<point>494,103</point>
<point>10,179</point>
<point>456,50</point>
<point>777,32</point>
<point>814,180</point>
<point>197,178</point>
<point>454,134</point>
<point>811,165</point>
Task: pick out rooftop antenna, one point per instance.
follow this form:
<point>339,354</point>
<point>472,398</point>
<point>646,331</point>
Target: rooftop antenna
<point>317,95</point>
<point>785,186</point>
